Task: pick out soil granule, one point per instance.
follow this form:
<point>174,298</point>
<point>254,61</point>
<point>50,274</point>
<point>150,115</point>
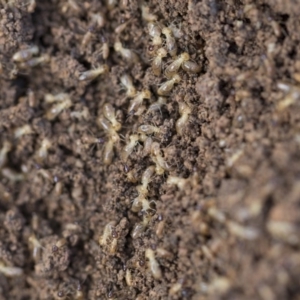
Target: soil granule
<point>217,218</point>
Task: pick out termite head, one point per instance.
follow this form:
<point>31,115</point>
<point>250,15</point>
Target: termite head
<point>176,78</point>
<point>146,94</point>
<point>184,56</point>
<point>118,46</point>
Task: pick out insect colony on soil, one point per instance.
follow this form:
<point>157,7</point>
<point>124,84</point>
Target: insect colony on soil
<point>164,47</point>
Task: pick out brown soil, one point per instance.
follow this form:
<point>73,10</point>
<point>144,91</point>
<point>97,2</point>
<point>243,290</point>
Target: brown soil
<point>228,230</point>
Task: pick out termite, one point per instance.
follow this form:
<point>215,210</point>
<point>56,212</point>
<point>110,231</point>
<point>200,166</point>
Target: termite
<point>84,114</point>
<point>104,48</point>
<point>79,293</point>
<point>25,54</point>
<point>12,175</point>
<point>180,182</point>
<point>184,111</point>
<point>42,153</point>
<point>87,37</point>
<point>10,271</point>
<point>108,229</point>
<point>158,104</point>
<point>119,29</point>
<point>127,82</point>
<point>111,4</point>
<point>167,86</point>
<point>92,74</point>
<point>153,264</point>
<point>127,54</point>
<point>170,41</point>
<point>36,246</point>
<point>191,67</point>
<point>98,19</point>
<point>90,140</point>
<point>157,61</point>
<point>31,6</point>
<point>33,62</point>
<point>24,130</point>
<point>161,164</point>
<point>146,15</point>
<point>173,68</point>
<point>146,177</point>
<point>113,139</point>
<point>292,95</point>
<point>49,98</point>
<point>138,229</point>
<point>128,149</point>
<point>148,129</point>
<point>155,32</point>
<point>147,145</point>
<point>7,146</point>
<point>177,32</point>
<point>137,101</point>
<point>110,114</point>
<point>55,110</point>
<point>128,278</point>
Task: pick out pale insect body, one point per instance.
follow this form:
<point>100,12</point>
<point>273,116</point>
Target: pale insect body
<point>184,111</point>
<point>56,109</point>
<point>128,278</point>
<point>167,86</point>
<point>119,29</point>
<point>157,61</point>
<point>146,15</point>
<point>191,67</point>
<point>33,62</point>
<point>90,140</point>
<point>25,54</point>
<point>173,68</point>
<point>153,264</point>
<point>161,164</point>
<point>84,114</point>
<point>43,150</point>
<point>110,114</point>
<point>104,48</point>
<point>146,177</point>
<point>155,32</point>
<point>148,129</point>
<point>141,202</point>
<point>108,230</point>
<point>12,175</point>
<point>128,149</point>
<point>10,271</point>
<point>180,182</point>
<point>111,3</point>
<point>79,295</point>
<point>177,32</point>
<point>87,37</point>
<point>92,74</point>
<point>36,246</point>
<point>158,104</point>
<point>127,82</point>
<point>170,41</point>
<point>147,146</point>
<point>137,101</point>
<point>24,130</point>
<point>127,54</point>
<point>3,153</point>
<point>49,98</point>
<point>98,19</point>
<point>138,229</point>
<point>113,139</point>
<point>140,110</point>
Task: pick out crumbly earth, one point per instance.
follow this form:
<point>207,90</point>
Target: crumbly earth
<point>228,230</point>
